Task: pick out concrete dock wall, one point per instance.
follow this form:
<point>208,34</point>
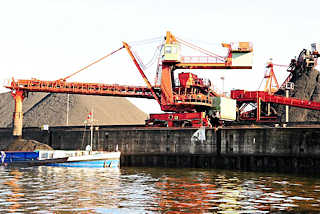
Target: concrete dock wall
<point>271,141</point>
<point>253,149</point>
<point>272,149</point>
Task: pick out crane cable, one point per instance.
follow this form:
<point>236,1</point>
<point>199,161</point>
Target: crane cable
<point>280,65</point>
<point>95,62</point>
<point>155,56</point>
<point>200,49</point>
<point>159,65</point>
<point>145,41</point>
<point>140,62</point>
<point>151,61</point>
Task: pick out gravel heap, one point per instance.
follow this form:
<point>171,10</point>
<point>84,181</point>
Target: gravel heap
<point>26,145</point>
<point>43,108</point>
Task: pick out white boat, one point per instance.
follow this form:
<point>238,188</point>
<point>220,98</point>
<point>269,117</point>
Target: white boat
<point>65,158</point>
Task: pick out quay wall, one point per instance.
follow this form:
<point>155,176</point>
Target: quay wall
<point>272,149</point>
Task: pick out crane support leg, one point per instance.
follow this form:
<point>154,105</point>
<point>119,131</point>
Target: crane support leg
<point>18,114</point>
<point>287,107</point>
<point>258,109</point>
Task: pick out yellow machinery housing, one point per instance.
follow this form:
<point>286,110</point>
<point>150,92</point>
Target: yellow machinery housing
<point>172,53</point>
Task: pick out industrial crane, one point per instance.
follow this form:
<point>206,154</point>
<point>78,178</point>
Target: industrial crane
<point>262,100</point>
<point>190,101</point>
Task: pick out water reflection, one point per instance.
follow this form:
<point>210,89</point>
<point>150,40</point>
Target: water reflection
<point>43,189</point>
<point>232,192</point>
<point>14,193</point>
<point>153,190</point>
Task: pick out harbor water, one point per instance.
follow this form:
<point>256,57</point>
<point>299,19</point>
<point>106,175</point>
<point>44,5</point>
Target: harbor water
<point>154,190</point>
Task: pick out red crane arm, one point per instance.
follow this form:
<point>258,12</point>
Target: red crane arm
<point>141,72</point>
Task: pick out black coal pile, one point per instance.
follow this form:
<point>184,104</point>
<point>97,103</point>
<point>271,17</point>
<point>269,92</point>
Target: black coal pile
<point>306,87</point>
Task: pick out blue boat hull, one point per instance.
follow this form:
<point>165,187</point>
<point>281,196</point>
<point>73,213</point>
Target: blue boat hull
<point>18,157</point>
<point>91,164</point>
<point>62,159</point>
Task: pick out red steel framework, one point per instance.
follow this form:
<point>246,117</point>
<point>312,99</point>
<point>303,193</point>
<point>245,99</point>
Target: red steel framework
<point>257,97</point>
<point>304,63</point>
<point>186,102</point>
<point>253,96</point>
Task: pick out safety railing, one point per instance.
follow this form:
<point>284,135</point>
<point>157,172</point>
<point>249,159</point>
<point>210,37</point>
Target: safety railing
<point>200,59</point>
<point>192,98</point>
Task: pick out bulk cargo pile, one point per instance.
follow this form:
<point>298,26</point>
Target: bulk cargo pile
<point>51,109</point>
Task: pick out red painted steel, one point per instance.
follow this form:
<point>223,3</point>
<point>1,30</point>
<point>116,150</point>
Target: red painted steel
<point>253,96</point>
<point>188,100</point>
<point>194,119</point>
<point>141,72</point>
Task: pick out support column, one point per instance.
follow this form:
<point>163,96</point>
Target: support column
<point>287,107</point>
<point>258,109</point>
<point>269,109</point>
<point>17,114</point>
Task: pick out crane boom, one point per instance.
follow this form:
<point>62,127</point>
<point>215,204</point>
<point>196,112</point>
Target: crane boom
<point>59,86</point>
<point>141,72</point>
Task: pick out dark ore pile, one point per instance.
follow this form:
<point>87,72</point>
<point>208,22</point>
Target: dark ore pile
<point>306,87</point>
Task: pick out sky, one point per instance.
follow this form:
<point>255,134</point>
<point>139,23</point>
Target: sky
<point>50,39</point>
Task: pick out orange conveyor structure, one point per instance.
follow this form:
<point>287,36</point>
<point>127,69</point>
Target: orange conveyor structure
<point>20,87</point>
<point>60,86</point>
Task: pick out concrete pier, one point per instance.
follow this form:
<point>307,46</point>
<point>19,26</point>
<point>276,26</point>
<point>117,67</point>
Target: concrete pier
<point>294,150</point>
